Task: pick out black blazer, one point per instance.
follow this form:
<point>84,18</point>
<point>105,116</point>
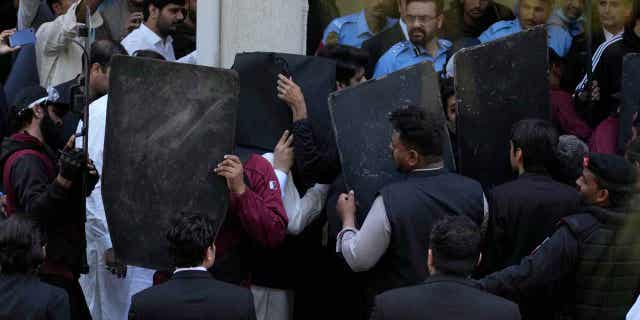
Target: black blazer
<point>25,297</point>
<point>443,297</point>
<point>381,43</point>
<point>193,295</point>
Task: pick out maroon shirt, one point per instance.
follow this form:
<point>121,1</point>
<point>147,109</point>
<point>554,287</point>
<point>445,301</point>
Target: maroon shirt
<point>258,214</point>
<point>565,116</point>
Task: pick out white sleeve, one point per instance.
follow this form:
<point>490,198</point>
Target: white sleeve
<point>282,181</point>
<point>191,58</point>
<point>27,12</point>
<point>363,248</point>
<point>307,208</point>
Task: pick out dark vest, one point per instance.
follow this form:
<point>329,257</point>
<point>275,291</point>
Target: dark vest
<point>608,268</point>
<point>413,206</point>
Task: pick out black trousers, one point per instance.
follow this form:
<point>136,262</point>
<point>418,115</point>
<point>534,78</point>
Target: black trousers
<point>77,303</point>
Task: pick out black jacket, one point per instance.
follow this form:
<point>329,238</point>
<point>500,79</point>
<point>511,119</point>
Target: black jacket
<point>443,297</point>
<point>608,73</point>
<point>193,295</point>
<point>591,260</point>
<point>380,44</point>
<point>522,213</point>
<point>24,297</point>
<point>57,211</point>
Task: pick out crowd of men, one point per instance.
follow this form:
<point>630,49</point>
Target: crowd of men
<point>559,241</point>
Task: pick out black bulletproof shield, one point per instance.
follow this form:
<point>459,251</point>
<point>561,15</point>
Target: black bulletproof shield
<point>168,125</point>
<point>497,84</point>
<point>363,131</point>
<point>262,117</point>
<point>630,97</point>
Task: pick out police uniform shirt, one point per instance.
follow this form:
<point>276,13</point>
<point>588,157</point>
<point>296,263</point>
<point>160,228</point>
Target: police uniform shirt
<point>558,39</point>
<point>405,53</point>
<point>352,30</point>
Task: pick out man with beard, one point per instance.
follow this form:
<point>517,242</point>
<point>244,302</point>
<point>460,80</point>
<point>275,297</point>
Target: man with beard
<point>424,20</point>
<point>591,260</point>
<point>356,28</point>
<point>121,17</point>
<point>531,13</point>
<point>394,237</point>
<point>161,18</point>
<point>469,18</point>
<point>47,188</point>
<point>184,40</point>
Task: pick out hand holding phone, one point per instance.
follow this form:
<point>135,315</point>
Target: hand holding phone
<point>5,47</point>
<point>22,37</point>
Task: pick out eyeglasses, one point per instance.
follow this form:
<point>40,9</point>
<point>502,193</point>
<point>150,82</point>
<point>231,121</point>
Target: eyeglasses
<point>420,19</point>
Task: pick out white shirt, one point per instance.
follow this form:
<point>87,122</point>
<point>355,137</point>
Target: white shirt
<point>634,313</point>
<point>59,59</point>
<point>363,248</point>
<point>190,269</point>
<point>608,35</point>
<point>300,211</point>
<point>144,38</point>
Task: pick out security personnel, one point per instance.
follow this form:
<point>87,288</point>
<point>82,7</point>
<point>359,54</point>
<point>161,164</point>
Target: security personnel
<point>424,21</point>
<point>593,258</point>
<point>354,29</point>
<point>531,13</point>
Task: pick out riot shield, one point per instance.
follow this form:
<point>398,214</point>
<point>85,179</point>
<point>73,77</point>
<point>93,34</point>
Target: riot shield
<point>363,131</point>
<point>168,125</point>
<point>262,117</point>
<point>497,84</point>
<point>630,98</point>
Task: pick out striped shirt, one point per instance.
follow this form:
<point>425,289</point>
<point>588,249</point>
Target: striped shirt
<point>596,59</point>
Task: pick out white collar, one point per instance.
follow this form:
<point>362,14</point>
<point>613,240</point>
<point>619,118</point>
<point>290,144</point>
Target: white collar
<point>200,268</point>
<point>608,35</point>
<point>428,169</point>
<point>152,37</point>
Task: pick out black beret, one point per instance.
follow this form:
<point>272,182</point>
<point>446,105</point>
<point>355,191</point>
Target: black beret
<point>613,170</point>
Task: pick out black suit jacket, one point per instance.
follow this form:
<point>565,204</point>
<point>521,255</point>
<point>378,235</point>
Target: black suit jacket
<point>381,43</point>
<point>24,297</point>
<point>443,297</point>
<point>193,295</point>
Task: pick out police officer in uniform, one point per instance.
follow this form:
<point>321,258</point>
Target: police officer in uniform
<point>593,257</point>
<point>354,29</point>
<point>424,20</point>
<point>531,13</point>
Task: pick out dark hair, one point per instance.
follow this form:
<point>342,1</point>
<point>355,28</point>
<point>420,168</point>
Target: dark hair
<point>455,245</point>
<point>160,4</point>
<point>20,246</point>
<point>19,113</point>
<point>439,4</point>
<point>148,54</point>
<point>50,3</point>
<point>635,14</point>
<point>189,236</point>
<point>538,140</point>
<point>447,90</point>
<point>419,130</point>
<point>102,51</point>
<point>348,60</point>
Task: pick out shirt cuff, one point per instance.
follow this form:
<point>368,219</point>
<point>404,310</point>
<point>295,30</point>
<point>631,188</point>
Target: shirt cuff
<point>344,237</point>
<point>282,180</point>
